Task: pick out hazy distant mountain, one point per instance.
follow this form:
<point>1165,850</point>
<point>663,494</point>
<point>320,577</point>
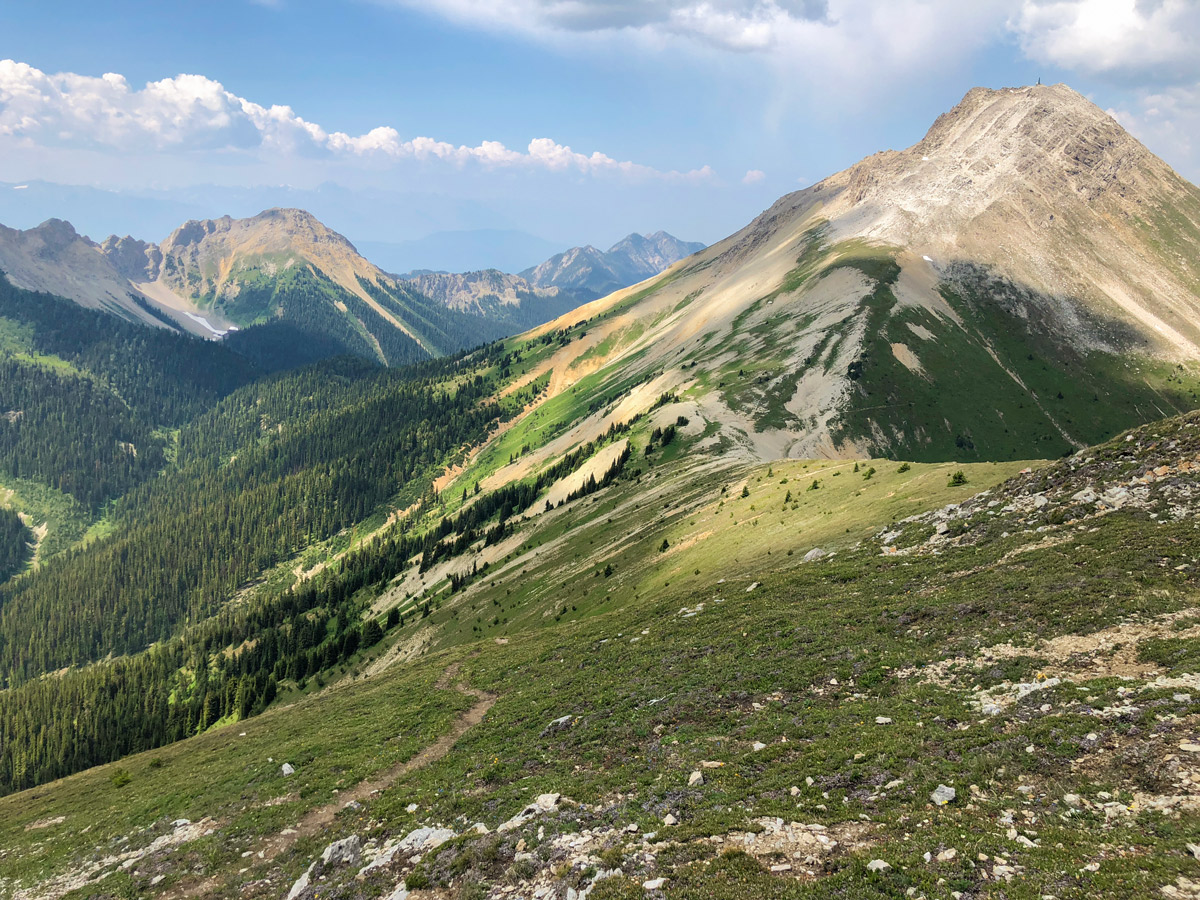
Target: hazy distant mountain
<point>496,295</point>
<point>461,251</point>
<point>558,285</point>
<point>589,273</point>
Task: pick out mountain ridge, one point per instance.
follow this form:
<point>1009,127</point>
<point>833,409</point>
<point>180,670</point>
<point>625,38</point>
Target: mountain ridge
<point>813,332</point>
<point>591,273</point>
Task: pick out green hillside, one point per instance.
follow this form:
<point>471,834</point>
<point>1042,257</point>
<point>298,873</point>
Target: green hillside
<point>838,693</point>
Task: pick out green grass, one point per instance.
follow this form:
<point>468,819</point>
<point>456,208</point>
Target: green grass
<point>858,619</point>
<point>68,522</point>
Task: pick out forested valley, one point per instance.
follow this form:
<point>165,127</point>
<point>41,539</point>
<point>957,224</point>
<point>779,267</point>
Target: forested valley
<point>138,624</point>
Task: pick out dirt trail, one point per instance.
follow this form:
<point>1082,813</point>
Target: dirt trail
<point>320,818</point>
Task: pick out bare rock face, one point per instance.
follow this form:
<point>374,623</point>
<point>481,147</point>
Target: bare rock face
<point>473,291</point>
<point>139,261</point>
<point>211,257</point>
<point>1038,185</point>
<point>54,258</point>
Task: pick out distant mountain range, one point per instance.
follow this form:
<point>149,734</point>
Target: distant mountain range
<point>285,289</point>
<point>558,285</point>
<point>590,273</point>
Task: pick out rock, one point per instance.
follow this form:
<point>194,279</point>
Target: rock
<point>695,779</point>
<point>882,720</point>
<point>669,820</point>
<point>480,828</point>
<point>557,725</point>
<point>343,853</point>
<point>1182,698</point>
<point>157,880</point>
<point>632,828</point>
<point>782,867</point>
<point>300,885</point>
<point>877,865</point>
<point>817,553</point>
<point>1194,849</point>
<point>1116,497</point>
<point>943,795</point>
<point>893,784</point>
<point>385,857</point>
<point>426,838</point>
<point>411,808</point>
<point>400,893</point>
<point>1087,495</point>
<point>947,855</point>
<point>795,791</point>
<point>654,884</point>
<point>1189,747</point>
<point>287,770</point>
<point>353,805</point>
<point>547,802</point>
<point>179,823</point>
<point>759,745</point>
<point>942,528</point>
<point>544,803</point>
<point>1073,800</point>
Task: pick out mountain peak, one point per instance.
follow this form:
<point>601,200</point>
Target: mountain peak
<point>589,272</point>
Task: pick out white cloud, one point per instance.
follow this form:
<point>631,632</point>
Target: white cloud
<point>754,176</point>
<point>840,44</point>
<point>1128,39</point>
<point>1169,122</point>
<point>1150,48</point>
<point>730,24</point>
<point>191,112</point>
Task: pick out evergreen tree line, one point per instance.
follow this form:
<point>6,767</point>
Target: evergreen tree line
<point>15,541</point>
<point>188,540</point>
<point>168,376</point>
<point>230,665</point>
<point>228,668</point>
<point>73,434</point>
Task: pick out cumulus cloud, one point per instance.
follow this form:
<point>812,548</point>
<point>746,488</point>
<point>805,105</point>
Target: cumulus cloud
<point>1148,48</point>
<point>1168,121</point>
<point>827,39</point>
<point>1128,39</point>
<point>731,24</point>
<point>754,176</point>
<point>191,112</point>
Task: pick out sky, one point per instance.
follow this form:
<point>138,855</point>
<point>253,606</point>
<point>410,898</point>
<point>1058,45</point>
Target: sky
<point>553,122</point>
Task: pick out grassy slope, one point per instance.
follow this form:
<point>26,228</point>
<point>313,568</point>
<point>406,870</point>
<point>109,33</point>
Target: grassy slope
<point>859,619</point>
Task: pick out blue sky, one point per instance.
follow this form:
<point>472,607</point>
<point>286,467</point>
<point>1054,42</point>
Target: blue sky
<point>415,117</point>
